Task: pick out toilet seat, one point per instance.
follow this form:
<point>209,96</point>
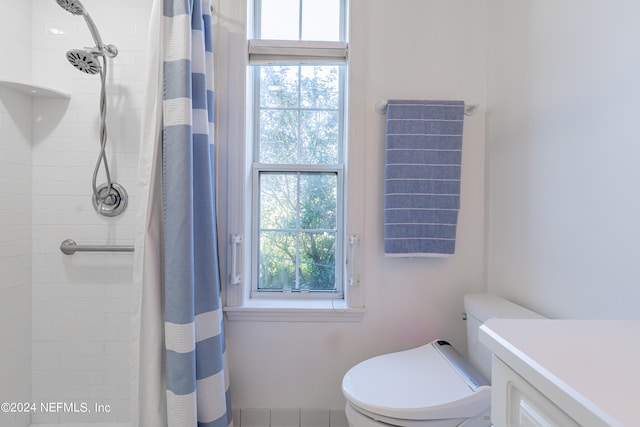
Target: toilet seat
<point>413,385</point>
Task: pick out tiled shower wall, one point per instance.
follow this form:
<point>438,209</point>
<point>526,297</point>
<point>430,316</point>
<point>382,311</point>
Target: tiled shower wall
<point>82,303</point>
<point>15,208</point>
<point>15,250</point>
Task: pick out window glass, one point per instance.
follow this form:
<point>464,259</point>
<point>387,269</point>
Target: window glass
<point>298,231</point>
<point>300,20</point>
<point>280,20</point>
<point>299,114</point>
<point>320,87</point>
<point>321,20</point>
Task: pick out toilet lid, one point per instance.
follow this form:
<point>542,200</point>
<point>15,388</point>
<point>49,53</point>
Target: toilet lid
<point>416,384</point>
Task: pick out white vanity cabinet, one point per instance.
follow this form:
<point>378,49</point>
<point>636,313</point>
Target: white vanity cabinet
<point>564,373</point>
<point>515,402</point>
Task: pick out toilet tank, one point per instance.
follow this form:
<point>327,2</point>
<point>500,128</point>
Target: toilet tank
<point>479,308</point>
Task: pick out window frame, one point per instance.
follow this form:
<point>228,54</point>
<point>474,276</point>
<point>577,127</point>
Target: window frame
<point>257,168</point>
<point>338,292</point>
<point>236,112</point>
<point>265,52</point>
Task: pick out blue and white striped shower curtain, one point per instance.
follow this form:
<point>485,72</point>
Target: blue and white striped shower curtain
<point>182,377</point>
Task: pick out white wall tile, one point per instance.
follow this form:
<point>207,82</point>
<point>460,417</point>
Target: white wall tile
<point>15,40</point>
<point>15,217</point>
<point>289,417</point>
<point>338,418</point>
<point>315,417</point>
<point>285,418</point>
<point>82,303</point>
<point>257,417</point>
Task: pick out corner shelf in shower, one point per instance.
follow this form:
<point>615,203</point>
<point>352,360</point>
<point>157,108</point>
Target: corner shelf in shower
<point>35,91</point>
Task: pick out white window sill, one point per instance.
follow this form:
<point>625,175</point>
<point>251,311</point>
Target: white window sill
<point>295,311</point>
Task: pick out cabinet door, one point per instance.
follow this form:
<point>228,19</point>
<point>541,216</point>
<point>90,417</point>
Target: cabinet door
<point>516,403</point>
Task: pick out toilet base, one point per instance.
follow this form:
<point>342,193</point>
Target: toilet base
<point>357,418</point>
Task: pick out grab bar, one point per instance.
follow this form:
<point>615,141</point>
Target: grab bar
<point>69,247</point>
<point>352,277</point>
<point>236,241</point>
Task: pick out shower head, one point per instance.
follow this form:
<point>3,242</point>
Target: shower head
<point>72,6</point>
<point>84,61</point>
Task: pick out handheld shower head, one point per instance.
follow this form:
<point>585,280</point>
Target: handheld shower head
<point>109,199</point>
<point>72,6</point>
<point>84,61</point>
<point>78,57</point>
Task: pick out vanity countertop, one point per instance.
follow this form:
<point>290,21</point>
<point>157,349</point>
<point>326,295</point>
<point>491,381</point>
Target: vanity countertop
<point>589,368</point>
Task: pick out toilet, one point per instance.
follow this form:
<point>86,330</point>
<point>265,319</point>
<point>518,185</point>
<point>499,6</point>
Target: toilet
<point>431,385</point>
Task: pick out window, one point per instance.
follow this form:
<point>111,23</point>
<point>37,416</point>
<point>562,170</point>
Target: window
<point>297,113</point>
<point>322,20</point>
<point>290,257</point>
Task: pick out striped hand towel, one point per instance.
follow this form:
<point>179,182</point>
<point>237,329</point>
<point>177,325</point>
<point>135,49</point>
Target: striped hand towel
<point>422,177</point>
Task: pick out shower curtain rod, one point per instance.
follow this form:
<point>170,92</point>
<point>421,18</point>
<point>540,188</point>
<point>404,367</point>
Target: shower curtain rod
<point>69,247</point>
<point>381,107</point>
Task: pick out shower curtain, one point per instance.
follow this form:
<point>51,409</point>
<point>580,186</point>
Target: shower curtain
<point>179,365</point>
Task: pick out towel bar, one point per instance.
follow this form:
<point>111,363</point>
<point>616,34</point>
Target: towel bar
<point>381,108</point>
<point>69,247</point>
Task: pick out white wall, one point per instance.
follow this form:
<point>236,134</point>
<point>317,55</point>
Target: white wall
<point>15,211</point>
<point>411,49</point>
<point>65,321</point>
<point>562,201</point>
<point>15,43</point>
<point>564,151</point>
<point>15,252</point>
<point>81,303</point>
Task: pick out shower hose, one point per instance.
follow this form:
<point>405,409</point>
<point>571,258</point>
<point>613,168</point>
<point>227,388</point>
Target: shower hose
<point>107,197</point>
